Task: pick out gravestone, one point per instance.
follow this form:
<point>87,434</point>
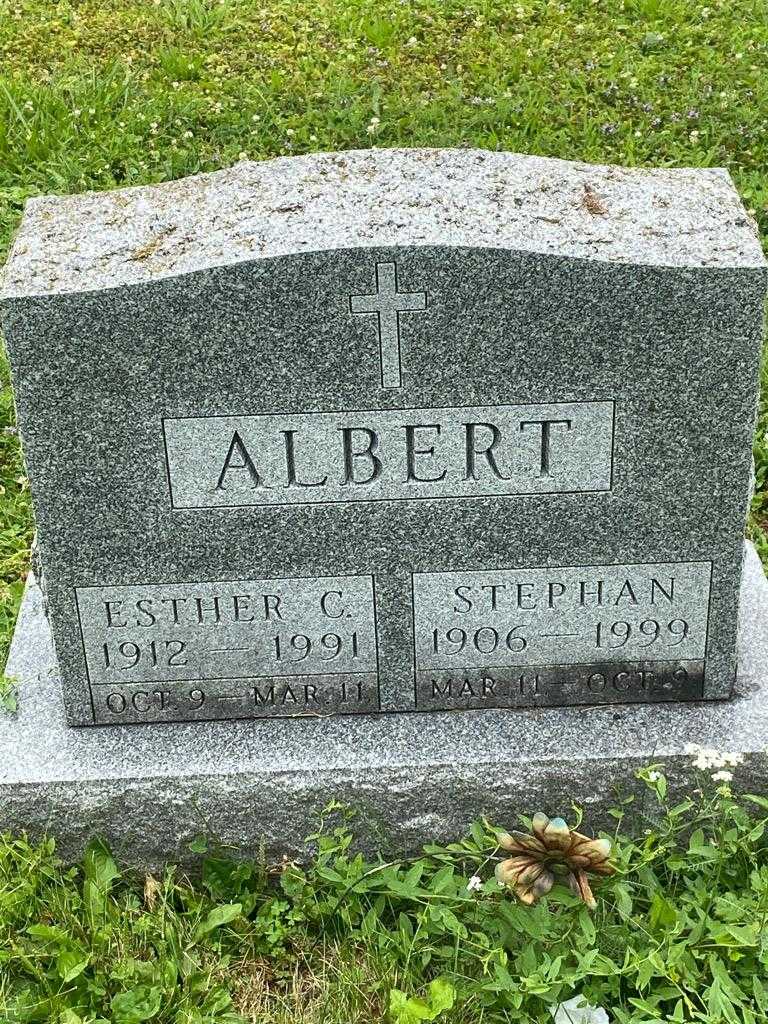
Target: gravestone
<point>368,450</point>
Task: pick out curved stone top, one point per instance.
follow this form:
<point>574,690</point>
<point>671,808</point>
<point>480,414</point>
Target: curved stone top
<point>381,197</point>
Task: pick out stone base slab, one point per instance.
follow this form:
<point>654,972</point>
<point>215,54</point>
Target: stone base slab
<point>149,789</point>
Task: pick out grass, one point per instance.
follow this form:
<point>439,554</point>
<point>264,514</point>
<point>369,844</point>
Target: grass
<point>96,94</point>
<point>679,932</point>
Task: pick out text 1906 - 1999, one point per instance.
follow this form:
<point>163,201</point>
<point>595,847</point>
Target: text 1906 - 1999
<point>567,635</point>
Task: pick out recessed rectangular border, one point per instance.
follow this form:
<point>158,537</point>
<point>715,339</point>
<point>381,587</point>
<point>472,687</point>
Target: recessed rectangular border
<point>414,709</point>
<point>553,568</point>
<point>203,718</point>
<point>559,677</point>
<point>368,501</point>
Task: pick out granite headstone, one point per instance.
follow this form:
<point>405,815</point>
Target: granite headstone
<point>415,478</point>
<point>389,432</point>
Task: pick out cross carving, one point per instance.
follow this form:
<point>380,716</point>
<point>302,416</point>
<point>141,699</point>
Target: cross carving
<point>387,303</point>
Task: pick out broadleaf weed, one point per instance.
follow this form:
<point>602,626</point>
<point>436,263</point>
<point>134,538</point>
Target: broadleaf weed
<point>680,932</point>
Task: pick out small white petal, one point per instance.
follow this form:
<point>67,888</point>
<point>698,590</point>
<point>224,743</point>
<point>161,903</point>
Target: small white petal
<point>578,1011</point>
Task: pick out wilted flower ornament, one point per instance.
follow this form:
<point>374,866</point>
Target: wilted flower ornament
<point>552,849</point>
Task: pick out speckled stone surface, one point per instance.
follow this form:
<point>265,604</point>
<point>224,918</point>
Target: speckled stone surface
<point>430,197</point>
<point>404,289</point>
<point>416,778</point>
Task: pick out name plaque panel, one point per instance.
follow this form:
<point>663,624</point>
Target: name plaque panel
<point>389,455</point>
<point>243,649</point>
<point>572,635</point>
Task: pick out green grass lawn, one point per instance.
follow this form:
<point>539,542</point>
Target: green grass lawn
<point>96,94</point>
<point>679,933</point>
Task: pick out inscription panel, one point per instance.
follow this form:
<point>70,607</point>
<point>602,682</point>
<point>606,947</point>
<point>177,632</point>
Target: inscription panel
<point>244,649</point>
<point>572,635</point>
<point>389,455</point>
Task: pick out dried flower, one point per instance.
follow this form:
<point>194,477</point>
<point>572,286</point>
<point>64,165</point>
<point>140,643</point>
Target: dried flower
<point>152,889</point>
<point>552,848</point>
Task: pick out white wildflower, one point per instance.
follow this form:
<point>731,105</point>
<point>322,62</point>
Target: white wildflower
<point>474,883</point>
<point>722,776</point>
<point>731,758</point>
<point>578,1011</point>
<point>706,758</point>
<point>654,776</point>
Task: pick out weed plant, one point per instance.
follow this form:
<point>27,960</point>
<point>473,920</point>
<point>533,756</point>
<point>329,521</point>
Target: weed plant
<point>680,932</point>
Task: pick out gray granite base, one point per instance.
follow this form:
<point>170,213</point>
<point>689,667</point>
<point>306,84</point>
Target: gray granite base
<point>149,789</point>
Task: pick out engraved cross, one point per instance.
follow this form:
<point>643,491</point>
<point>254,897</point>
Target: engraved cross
<point>387,303</point>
